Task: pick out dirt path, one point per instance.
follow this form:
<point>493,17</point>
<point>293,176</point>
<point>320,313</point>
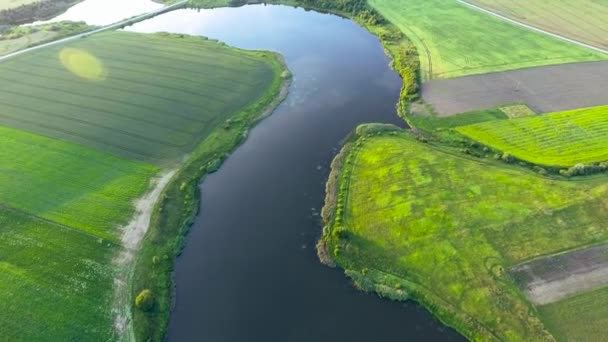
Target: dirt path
<point>133,234</point>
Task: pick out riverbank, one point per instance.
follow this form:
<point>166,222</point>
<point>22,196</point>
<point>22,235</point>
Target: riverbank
<point>179,202</point>
<point>393,223</point>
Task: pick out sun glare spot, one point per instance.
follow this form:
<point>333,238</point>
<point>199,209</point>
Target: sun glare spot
<point>82,64</point>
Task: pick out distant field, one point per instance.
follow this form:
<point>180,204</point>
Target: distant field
<point>556,139</point>
<point>580,318</point>
<point>582,20</point>
<point>8,4</point>
<point>413,221</point>
<point>69,184</point>
<point>455,40</point>
<point>145,97</point>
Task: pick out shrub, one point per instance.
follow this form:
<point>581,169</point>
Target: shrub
<point>145,300</point>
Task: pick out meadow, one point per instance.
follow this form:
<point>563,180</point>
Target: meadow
<point>581,318</point>
<point>583,20</point>
<point>85,127</point>
<point>145,97</point>
<point>55,281</point>
<point>455,40</point>
<point>412,223</point>
<point>560,139</point>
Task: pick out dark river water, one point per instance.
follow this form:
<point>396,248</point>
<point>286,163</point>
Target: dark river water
<point>249,271</point>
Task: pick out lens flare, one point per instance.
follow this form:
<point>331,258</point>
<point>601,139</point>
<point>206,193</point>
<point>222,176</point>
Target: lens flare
<point>83,64</point>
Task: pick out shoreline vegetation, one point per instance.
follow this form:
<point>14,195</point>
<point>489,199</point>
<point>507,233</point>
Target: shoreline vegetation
<point>35,11</point>
<point>179,203</point>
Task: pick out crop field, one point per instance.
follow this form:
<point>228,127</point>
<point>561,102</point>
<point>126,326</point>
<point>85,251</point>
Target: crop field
<point>55,281</point>
<point>581,20</point>
<point>402,230</point>
<point>69,184</point>
<point>84,128</point>
<point>455,40</point>
<point>557,139</point>
<point>145,97</point>
<point>544,89</point>
<point>580,318</point>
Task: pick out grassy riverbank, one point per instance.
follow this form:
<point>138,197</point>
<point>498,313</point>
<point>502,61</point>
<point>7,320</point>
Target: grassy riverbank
<point>179,204</point>
<point>87,126</point>
<point>394,223</point>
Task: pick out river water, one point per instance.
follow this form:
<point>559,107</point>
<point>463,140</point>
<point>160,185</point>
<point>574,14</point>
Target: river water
<point>249,271</point>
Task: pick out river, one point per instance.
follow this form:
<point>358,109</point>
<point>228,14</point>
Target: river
<point>249,271</point>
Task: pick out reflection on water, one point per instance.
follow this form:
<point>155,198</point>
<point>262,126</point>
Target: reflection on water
<point>104,12</point>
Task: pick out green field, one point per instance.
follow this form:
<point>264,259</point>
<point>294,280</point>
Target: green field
<point>414,222</point>
<point>557,139</point>
<point>582,20</point>
<point>580,318</point>
<point>55,281</point>
<point>69,184</point>
<point>145,97</point>
<point>455,40</point>
<point>84,128</point>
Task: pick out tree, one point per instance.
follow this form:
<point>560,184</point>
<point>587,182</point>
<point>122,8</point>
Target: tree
<point>145,300</point>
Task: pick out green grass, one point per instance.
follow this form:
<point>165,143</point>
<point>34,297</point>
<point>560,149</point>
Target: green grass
<point>83,129</point>
<point>580,318</point>
<point>455,40</point>
<point>557,139</point>
<point>146,97</point>
<point>412,221</point>
<point>69,184</point>
<point>582,20</point>
<point>55,281</point>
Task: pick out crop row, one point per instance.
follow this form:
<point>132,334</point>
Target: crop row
<point>556,139</point>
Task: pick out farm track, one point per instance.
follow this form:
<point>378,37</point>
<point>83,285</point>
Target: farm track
<point>545,89</point>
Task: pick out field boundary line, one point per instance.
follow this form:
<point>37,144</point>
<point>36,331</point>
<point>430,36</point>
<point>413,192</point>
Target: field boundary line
<point>36,217</point>
<point>533,28</point>
<point>113,26</point>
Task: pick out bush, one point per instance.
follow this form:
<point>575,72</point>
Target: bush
<point>145,300</point>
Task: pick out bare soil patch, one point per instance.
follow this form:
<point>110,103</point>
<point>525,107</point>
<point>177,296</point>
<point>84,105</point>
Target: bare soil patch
<point>550,279</point>
<point>544,89</point>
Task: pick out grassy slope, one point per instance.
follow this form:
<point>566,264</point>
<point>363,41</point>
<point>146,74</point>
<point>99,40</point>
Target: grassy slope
<point>55,281</point>
<point>583,20</point>
<point>147,97</point>
<point>412,221</point>
<point>69,184</point>
<point>580,318</point>
<point>454,40</point>
<point>556,139</point>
